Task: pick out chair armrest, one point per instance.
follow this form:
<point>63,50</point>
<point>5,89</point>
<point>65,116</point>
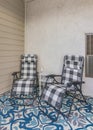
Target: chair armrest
<point>53,77</point>
<point>75,83</point>
<point>15,73</point>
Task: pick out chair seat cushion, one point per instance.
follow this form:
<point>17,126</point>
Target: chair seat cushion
<point>23,86</point>
<point>53,95</point>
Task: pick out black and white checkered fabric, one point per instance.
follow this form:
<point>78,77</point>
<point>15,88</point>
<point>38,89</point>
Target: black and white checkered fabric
<point>23,86</point>
<point>53,95</point>
<point>27,80</point>
<point>73,67</point>
<point>28,66</point>
<point>73,61</point>
<point>70,74</point>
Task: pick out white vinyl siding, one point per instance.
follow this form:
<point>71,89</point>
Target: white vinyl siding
<point>11,40</point>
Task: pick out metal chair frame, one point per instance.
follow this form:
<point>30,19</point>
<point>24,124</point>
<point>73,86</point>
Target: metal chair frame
<point>77,87</point>
<point>17,76</point>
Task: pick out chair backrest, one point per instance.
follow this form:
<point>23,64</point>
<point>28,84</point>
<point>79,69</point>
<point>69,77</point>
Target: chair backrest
<point>72,69</point>
<point>28,66</point>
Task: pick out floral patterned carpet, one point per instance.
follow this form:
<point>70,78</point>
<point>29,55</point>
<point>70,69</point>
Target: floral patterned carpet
<point>31,118</point>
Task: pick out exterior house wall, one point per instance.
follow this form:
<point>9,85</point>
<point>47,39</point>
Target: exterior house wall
<point>11,40</point>
<point>55,28</point>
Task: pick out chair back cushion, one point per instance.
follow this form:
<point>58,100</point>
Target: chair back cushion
<point>73,69</point>
<point>28,66</point>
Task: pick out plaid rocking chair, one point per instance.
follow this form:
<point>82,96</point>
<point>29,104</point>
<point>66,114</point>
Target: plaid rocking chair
<point>71,83</point>
<point>25,82</point>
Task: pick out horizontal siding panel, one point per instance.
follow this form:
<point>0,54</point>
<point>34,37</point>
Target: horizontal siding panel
<point>8,41</point>
<point>10,13</point>
<point>11,47</point>
<point>4,85</point>
<point>9,71</point>
<point>10,24</point>
<point>11,40</point>
<point>11,30</point>
<point>10,53</point>
<point>11,19</point>
<point>9,59</point>
<point>11,8</point>
<point>8,65</point>
<point>11,36</point>
<point>17,5</point>
<point>5,89</point>
<point>5,78</point>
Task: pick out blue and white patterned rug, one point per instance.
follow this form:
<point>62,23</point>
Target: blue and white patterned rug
<point>31,118</point>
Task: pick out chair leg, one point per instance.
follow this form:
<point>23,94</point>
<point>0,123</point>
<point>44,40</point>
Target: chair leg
<point>53,120</point>
<point>83,96</point>
<point>80,91</point>
<point>57,114</point>
<point>71,104</point>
